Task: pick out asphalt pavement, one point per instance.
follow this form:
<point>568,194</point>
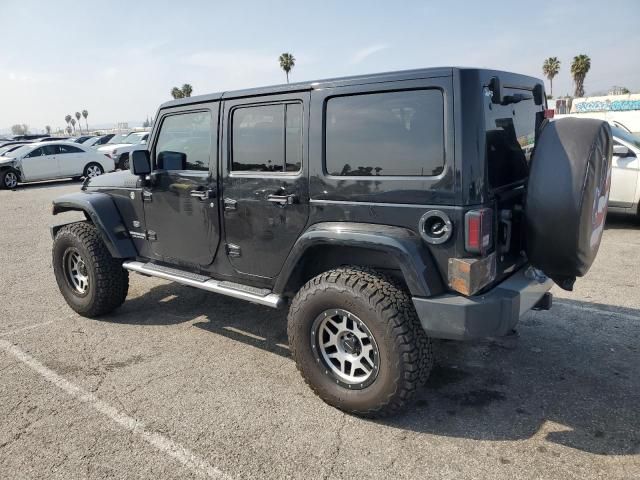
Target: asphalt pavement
<point>180,383</point>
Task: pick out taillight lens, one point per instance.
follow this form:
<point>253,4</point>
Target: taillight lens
<point>478,230</point>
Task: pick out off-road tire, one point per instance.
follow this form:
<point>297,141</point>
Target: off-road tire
<point>108,282</point>
<point>405,350</point>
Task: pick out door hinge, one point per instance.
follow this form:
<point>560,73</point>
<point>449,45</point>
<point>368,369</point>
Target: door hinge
<point>151,235</point>
<point>233,250</point>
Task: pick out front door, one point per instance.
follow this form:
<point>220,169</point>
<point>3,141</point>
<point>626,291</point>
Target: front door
<point>40,164</point>
<point>180,196</point>
<point>265,187</point>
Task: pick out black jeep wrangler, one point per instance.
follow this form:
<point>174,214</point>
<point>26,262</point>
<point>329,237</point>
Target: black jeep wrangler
<point>384,210</point>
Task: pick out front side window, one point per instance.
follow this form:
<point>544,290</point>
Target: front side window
<point>267,138</point>
<point>38,152</point>
<point>389,133</point>
<point>184,142</point>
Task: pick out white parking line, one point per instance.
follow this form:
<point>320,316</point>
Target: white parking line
<point>600,311</point>
<point>183,455</point>
<point>29,327</point>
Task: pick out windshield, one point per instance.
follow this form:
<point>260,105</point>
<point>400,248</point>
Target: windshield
<point>5,150</point>
<point>626,136</point>
<point>137,138</point>
<point>120,138</point>
<point>18,151</point>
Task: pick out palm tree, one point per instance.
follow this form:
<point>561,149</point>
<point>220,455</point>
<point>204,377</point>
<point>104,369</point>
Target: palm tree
<point>68,129</point>
<point>579,68</point>
<point>78,115</point>
<point>67,119</point>
<point>187,90</point>
<point>550,68</point>
<point>85,114</point>
<point>177,93</point>
<point>287,62</point>
<point>73,124</point>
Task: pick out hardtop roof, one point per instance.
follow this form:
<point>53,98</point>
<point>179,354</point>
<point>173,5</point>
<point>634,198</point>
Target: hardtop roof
<point>337,82</point>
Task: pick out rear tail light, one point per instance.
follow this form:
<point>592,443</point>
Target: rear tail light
<point>549,113</point>
<point>478,230</point>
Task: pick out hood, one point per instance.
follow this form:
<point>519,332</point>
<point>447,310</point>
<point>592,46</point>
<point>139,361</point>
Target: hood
<point>6,160</point>
<point>119,179</point>
<point>113,146</point>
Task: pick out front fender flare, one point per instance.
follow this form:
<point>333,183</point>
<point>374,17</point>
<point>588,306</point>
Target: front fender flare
<point>102,211</point>
<point>406,247</point>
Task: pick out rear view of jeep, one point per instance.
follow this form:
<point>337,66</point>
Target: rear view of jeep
<point>384,211</point>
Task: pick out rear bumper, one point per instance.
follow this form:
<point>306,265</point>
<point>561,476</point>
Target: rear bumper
<point>492,314</point>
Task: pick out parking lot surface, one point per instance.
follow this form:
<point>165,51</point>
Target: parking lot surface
<point>180,383</point>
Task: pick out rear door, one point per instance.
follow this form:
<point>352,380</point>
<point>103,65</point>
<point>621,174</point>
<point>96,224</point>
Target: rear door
<point>265,187</point>
<point>71,159</point>
<point>41,164</point>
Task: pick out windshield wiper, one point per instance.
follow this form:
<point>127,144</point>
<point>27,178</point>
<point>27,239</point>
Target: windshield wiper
<point>515,98</point>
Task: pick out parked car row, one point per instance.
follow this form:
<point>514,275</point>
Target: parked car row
<point>49,160</point>
<point>44,158</point>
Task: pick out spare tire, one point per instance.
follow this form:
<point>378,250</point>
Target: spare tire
<point>567,195</point>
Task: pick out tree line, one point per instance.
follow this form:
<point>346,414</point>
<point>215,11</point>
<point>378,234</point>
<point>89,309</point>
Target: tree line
<point>71,122</point>
<point>580,66</point>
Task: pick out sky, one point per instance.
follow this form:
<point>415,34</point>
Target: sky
<point>119,59</point>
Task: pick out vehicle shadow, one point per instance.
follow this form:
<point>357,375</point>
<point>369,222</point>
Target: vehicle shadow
<point>569,376</point>
<point>616,221</point>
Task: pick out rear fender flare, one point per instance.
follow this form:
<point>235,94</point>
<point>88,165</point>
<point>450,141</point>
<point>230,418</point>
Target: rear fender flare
<point>403,245</point>
<point>102,211</point>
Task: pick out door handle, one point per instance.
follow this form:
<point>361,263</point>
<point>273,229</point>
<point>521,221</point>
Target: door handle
<point>202,194</point>
<point>282,199</point>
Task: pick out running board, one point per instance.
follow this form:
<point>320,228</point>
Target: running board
<point>235,290</point>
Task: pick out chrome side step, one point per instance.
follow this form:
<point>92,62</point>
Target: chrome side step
<point>235,290</point>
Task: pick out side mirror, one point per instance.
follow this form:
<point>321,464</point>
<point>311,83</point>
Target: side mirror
<point>140,163</point>
<point>621,151</point>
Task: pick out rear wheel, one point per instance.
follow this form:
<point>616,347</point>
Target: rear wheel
<point>91,281</point>
<point>357,341</point>
<point>8,179</point>
<point>93,170</point>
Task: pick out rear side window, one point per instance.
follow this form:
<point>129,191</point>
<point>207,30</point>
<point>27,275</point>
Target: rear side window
<point>390,133</point>
<point>69,149</point>
<point>184,142</point>
<point>267,138</point>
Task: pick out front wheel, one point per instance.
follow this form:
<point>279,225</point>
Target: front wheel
<point>8,179</point>
<point>357,341</point>
<point>93,170</point>
<point>91,281</point>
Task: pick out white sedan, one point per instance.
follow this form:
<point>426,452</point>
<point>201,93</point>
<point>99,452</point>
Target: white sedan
<point>625,174</point>
<point>51,160</point>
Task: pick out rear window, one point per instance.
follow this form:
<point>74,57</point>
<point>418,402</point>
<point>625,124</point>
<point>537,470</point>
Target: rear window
<point>510,138</point>
<point>387,133</point>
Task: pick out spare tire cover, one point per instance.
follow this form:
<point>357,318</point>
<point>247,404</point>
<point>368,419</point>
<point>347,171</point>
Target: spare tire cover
<point>567,195</point>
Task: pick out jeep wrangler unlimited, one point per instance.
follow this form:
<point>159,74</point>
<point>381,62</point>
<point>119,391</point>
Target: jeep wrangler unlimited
<point>385,210</point>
